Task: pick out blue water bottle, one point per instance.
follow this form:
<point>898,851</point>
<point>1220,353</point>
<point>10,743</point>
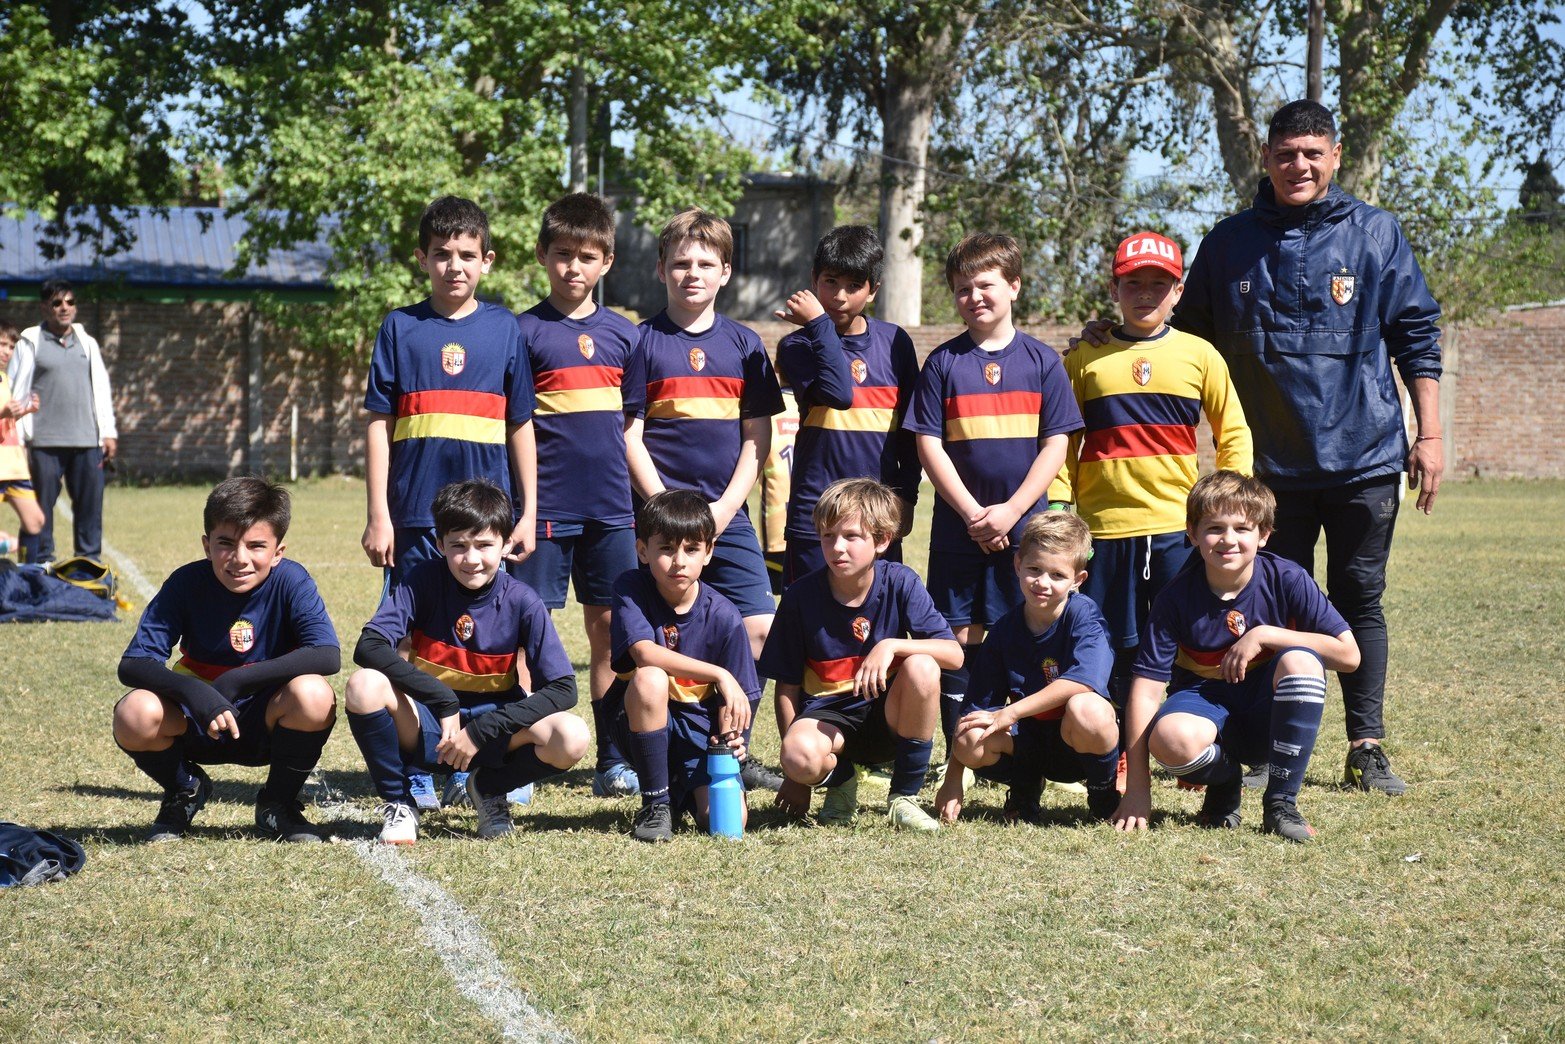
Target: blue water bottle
<point>725,795</point>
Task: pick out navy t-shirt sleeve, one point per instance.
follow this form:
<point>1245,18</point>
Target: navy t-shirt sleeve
<point>1159,640</point>
<point>1092,657</point>
<point>762,396</point>
<point>520,398</point>
<point>816,367</point>
<point>734,652</point>
<point>628,623</point>
<point>926,415</point>
<point>987,688</point>
<point>923,619</point>
<point>381,388</point>
<point>633,379</point>
<point>393,621</point>
<point>162,623</point>
<point>540,642</point>
<point>1060,415</point>
<point>308,611</point>
<point>782,657</point>
<point>1308,606</point>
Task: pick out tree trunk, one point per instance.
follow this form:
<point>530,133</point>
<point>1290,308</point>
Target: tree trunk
<point>909,114</point>
<point>1208,39</point>
<point>578,128</point>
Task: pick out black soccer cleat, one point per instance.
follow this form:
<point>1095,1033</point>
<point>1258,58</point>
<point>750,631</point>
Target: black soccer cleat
<point>1257,776</point>
<point>1368,768</point>
<point>1023,807</point>
<point>1283,819</point>
<point>179,808</point>
<point>756,776</point>
<point>1220,808</point>
<point>654,822</point>
<point>283,821</point>
<point>1102,803</point>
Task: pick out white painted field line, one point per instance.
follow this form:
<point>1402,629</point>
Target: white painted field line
<point>463,948</point>
<point>128,571</point>
<point>455,936</point>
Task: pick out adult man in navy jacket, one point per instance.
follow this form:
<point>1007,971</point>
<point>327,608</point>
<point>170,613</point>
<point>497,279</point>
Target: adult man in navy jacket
<point>1311,295</point>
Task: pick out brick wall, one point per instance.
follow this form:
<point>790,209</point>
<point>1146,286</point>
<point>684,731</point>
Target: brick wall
<point>181,375</point>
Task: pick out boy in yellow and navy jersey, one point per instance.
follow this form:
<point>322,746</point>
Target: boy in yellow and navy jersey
<point>16,485</point>
<point>487,686</point>
<point>1130,469</point>
<point>589,381</point>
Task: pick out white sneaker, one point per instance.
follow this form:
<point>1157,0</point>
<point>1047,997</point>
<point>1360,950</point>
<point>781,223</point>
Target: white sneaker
<point>401,824</point>
<point>494,810</point>
<point>905,814</point>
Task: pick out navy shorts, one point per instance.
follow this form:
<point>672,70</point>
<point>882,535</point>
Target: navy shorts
<point>21,488</point>
<point>589,555</point>
<point>738,570</point>
<point>1126,573</point>
<point>423,757</point>
<point>1044,747</point>
<point>413,546</point>
<point>804,556</point>
<point>973,588</point>
<point>1242,713</point>
<point>254,745</point>
<point>866,737</point>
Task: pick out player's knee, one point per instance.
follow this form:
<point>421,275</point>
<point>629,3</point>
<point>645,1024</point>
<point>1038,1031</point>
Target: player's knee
<point>310,699</point>
<point>1089,725</point>
<point>138,717</point>
<point>803,756</point>
<point>969,750</point>
<point>922,674</point>
<point>1300,661</point>
<point>1179,739</point>
<point>367,691</point>
<point>648,687</point>
<point>570,741</point>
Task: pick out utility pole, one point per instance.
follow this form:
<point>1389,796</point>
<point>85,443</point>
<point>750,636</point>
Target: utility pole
<point>1313,85</point>
<point>578,120</point>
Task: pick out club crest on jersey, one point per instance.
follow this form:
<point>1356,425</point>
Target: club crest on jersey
<point>992,373</point>
<point>671,636</point>
<point>698,359</point>
<point>1235,622</point>
<point>453,358</point>
<point>1051,669</point>
<point>242,636</point>
<point>585,345</point>
<point>1141,370</point>
<point>1342,286</point>
<point>860,370</point>
<point>464,627</point>
<point>860,629</point>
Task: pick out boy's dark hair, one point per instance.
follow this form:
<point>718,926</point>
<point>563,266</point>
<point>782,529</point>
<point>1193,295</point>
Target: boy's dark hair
<point>981,251</point>
<point>680,515</point>
<point>245,501</point>
<point>9,331</point>
<point>580,216</point>
<point>700,226</point>
<point>476,505</point>
<point>453,216</point>
<point>1302,119</point>
<point>1228,491</point>
<point>853,251</point>
<point>52,288</point>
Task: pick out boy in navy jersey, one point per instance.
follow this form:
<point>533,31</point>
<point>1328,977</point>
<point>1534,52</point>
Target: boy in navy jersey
<point>853,377</point>
<point>249,687</point>
<point>449,397</point>
<point>687,678</point>
<point>857,652</point>
<point>479,640</point>
<point>706,424</point>
<point>1038,705</point>
<point>1242,640</point>
<point>993,412</point>
<point>589,380</point>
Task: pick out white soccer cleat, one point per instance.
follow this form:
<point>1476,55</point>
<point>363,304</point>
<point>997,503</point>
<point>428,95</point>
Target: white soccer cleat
<point>401,824</point>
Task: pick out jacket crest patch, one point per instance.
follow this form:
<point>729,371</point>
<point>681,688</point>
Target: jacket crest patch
<point>1342,286</point>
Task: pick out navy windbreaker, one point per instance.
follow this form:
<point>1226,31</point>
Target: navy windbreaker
<point>1309,306</point>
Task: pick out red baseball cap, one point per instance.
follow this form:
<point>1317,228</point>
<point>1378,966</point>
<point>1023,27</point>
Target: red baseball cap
<point>1149,250</point>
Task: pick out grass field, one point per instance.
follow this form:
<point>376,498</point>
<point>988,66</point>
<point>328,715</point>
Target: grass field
<point>1436,916</point>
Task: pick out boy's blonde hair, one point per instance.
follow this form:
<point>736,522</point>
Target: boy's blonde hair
<point>877,507</point>
<point>1057,533</point>
<point>700,226</point>
<point>981,251</point>
<point>1228,491</point>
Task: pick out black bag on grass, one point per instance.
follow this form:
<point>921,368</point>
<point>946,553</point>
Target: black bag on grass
<point>30,857</point>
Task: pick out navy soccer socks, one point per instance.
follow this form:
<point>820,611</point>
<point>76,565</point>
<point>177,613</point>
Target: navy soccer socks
<point>604,712</point>
<point>1102,771</point>
<point>910,765</point>
<point>521,767</point>
<point>953,690</point>
<point>167,768</point>
<point>376,735</point>
<point>1297,706</point>
<point>649,756</point>
<point>294,754</point>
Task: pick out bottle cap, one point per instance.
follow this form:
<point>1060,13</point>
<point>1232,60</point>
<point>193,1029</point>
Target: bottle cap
<point>719,748</point>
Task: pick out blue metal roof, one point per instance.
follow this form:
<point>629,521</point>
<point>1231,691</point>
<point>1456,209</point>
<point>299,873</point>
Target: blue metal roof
<point>172,250</point>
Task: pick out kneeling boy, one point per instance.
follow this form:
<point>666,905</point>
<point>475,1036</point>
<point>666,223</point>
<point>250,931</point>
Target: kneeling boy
<point>852,686</point>
<point>250,685</point>
<point>686,677</point>
<point>459,700</point>
<point>1243,640</point>
<point>1038,706</point>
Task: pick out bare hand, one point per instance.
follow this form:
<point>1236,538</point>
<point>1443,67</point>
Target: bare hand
<point>948,799</point>
<point>1097,332</point>
<point>1425,465</point>
<point>992,521</point>
<point>873,676</point>
<point>1132,813</point>
<point>801,308</point>
<point>455,748</point>
<point>985,723</point>
<point>379,543</point>
<point>523,539</point>
<point>224,722</point>
<point>793,798</point>
<point>722,515</point>
<point>734,715</point>
<point>1237,659</point>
